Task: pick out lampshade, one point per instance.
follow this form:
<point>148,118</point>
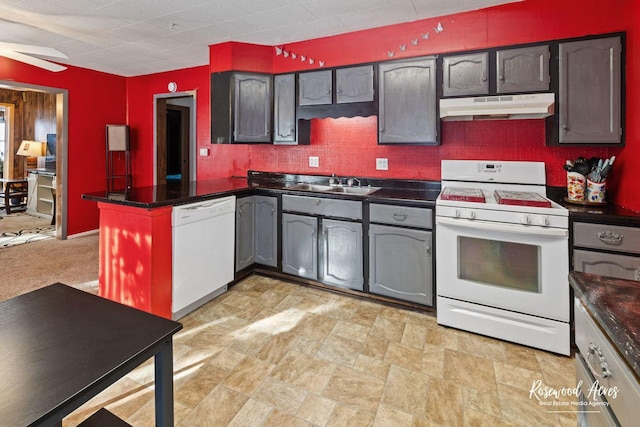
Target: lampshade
<point>30,149</point>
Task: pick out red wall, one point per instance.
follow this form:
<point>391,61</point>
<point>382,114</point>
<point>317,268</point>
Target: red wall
<point>95,100</point>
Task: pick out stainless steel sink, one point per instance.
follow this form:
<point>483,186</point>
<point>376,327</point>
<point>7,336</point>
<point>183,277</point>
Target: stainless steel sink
<point>362,191</point>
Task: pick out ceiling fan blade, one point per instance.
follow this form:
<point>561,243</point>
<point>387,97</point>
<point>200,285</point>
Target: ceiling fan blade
<point>36,62</point>
<point>33,49</point>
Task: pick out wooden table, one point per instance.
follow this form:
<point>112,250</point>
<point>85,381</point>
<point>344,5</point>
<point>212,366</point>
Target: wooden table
<point>13,188</point>
<point>60,346</point>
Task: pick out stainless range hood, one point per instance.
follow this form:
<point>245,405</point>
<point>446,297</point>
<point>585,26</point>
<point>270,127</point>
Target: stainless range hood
<point>499,107</point>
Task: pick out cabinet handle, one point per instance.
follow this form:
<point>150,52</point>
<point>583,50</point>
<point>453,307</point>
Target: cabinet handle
<point>318,201</point>
<point>501,77</point>
<point>428,249</point>
<point>610,238</point>
<point>400,215</point>
<point>565,128</point>
<point>595,351</point>
<point>636,274</point>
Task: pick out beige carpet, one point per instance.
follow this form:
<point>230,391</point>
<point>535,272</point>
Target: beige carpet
<point>27,267</point>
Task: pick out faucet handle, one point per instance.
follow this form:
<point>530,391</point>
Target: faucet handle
<point>332,180</point>
<point>351,181</point>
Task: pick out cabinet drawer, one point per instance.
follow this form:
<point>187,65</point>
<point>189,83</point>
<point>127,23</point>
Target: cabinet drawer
<point>401,215</point>
<point>596,348</point>
<point>323,206</point>
<point>609,237</point>
<point>604,264</point>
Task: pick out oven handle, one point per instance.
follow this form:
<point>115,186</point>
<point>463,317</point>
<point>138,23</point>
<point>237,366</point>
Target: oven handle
<point>505,228</point>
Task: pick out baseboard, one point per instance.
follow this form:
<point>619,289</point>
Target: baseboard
<point>83,234</point>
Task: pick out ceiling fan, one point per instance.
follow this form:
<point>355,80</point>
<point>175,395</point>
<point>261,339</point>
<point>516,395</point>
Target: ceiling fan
<point>23,53</point>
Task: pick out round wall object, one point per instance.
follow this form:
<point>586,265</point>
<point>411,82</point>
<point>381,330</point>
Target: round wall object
<point>172,86</point>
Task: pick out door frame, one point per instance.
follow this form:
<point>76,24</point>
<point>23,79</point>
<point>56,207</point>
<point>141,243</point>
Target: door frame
<point>62,147</point>
<point>162,97</point>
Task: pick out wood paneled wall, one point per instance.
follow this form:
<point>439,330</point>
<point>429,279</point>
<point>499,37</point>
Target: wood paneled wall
<point>33,117</point>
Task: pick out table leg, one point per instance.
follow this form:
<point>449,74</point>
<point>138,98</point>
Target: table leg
<point>164,384</point>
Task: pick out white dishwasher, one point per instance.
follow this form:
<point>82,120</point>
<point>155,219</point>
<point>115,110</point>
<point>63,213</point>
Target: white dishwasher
<point>203,251</point>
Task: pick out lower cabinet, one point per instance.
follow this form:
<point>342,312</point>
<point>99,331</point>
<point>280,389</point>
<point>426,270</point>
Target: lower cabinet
<point>317,245</point>
<point>256,231</point>
<point>400,253</point>
<point>334,256</point>
<point>607,250</point>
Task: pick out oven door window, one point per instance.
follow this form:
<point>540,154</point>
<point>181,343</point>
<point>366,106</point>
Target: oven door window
<point>493,262</point>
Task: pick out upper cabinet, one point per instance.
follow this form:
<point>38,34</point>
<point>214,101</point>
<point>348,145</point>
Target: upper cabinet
<point>522,69</point>
<point>589,93</point>
<point>407,102</point>
<point>284,109</point>
<point>241,106</point>
<point>354,84</point>
<point>315,88</point>
<point>465,75</point>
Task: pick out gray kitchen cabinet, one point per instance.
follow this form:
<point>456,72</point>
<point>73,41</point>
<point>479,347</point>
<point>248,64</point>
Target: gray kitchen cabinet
<point>315,88</point>
<point>465,75</point>
<point>607,250</point>
<point>522,69</point>
<point>256,231</point>
<point>266,230</point>
<point>407,102</point>
<point>241,105</point>
<point>401,258</point>
<point>354,84</point>
<point>284,109</point>
<point>300,245</point>
<point>335,255</point>
<point>342,251</point>
<point>244,232</point>
<point>589,93</point>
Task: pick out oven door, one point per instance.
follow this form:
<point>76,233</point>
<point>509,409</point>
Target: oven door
<point>513,267</point>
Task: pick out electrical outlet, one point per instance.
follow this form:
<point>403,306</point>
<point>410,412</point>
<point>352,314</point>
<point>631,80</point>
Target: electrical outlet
<point>204,152</point>
<point>382,164</point>
<point>314,162</point>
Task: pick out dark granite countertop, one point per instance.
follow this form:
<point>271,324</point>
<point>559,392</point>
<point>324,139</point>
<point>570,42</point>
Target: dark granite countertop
<point>615,305</point>
<point>609,213</point>
<point>177,193</point>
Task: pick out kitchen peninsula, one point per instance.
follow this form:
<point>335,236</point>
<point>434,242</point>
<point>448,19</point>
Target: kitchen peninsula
<point>136,230</point>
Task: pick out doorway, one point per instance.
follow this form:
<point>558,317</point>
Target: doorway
<point>175,139</point>
<point>25,95</point>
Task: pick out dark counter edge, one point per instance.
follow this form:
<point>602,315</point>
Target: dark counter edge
<point>609,315</point>
<point>174,194</point>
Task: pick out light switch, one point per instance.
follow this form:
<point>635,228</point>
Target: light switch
<point>382,164</point>
<point>204,152</point>
<point>314,162</point>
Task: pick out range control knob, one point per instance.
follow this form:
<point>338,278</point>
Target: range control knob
<point>543,220</point>
<point>525,219</point>
<point>456,213</point>
<point>471,214</point>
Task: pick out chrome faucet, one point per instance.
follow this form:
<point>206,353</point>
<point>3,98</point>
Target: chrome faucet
<point>351,181</point>
<point>335,180</point>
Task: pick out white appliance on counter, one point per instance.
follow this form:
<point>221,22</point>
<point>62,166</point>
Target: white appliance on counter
<point>502,254</point>
<point>203,249</point>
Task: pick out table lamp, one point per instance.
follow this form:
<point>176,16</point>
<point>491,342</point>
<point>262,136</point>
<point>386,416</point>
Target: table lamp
<point>31,150</point>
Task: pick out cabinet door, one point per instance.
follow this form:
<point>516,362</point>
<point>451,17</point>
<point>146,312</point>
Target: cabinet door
<point>523,69</point>
<point>604,264</point>
<point>407,102</point>
<point>354,84</point>
<point>589,92</point>
<point>284,109</point>
<point>300,245</point>
<point>244,232</point>
<point>465,74</point>
<point>315,88</point>
<point>266,231</point>
<point>252,112</point>
<point>32,191</point>
<point>342,253</point>
<point>400,263</point>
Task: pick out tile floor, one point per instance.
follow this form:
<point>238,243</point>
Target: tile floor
<point>272,353</point>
